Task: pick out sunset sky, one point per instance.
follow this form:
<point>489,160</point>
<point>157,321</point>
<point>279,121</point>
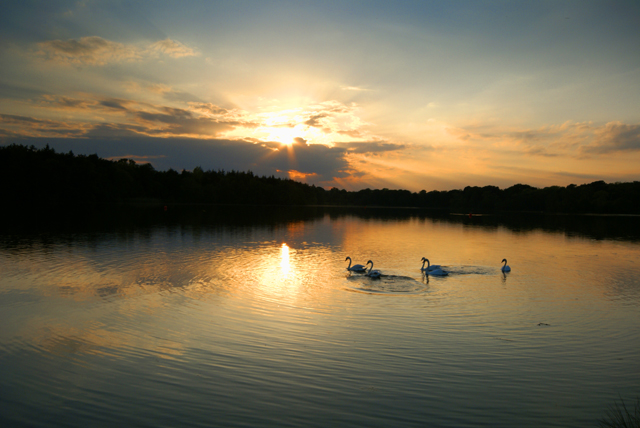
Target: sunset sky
<point>433,95</point>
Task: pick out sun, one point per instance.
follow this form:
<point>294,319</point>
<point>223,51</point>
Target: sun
<point>317,124</point>
<point>284,134</point>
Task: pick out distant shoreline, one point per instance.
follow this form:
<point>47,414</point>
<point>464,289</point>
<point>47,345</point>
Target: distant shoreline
<point>44,178</point>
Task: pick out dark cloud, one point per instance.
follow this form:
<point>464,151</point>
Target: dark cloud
<point>14,119</point>
<point>71,102</point>
<point>18,91</point>
<point>315,120</point>
<point>114,104</point>
<point>208,108</point>
<point>180,122</point>
<point>326,162</point>
<point>6,134</point>
<point>38,127</point>
<point>115,130</point>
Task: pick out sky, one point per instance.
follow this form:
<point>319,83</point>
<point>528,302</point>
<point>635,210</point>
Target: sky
<point>354,94</point>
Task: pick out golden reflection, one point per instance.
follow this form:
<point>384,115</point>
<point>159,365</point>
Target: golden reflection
<point>285,263</point>
<point>296,229</point>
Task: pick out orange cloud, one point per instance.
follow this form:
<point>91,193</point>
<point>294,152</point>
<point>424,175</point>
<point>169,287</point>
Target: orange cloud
<point>301,176</point>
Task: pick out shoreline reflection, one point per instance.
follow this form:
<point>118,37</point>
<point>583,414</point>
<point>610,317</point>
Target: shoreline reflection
<point>20,232</point>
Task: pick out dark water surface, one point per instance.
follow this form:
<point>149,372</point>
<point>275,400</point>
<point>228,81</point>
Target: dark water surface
<point>247,317</point>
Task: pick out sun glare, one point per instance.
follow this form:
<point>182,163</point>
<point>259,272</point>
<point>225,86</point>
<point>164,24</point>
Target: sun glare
<point>285,125</point>
<point>283,135</point>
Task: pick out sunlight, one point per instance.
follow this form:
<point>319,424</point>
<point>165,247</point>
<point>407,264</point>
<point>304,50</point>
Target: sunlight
<point>316,124</point>
<point>285,264</point>
<point>283,135</point>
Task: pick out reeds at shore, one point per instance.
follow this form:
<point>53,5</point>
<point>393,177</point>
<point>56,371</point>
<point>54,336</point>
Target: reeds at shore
<point>620,416</point>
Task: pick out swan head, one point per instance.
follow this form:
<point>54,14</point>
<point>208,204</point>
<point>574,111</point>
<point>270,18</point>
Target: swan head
<point>503,261</point>
<point>369,262</point>
<point>348,258</point>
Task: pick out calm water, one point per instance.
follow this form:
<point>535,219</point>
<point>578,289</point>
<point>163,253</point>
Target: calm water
<point>249,318</point>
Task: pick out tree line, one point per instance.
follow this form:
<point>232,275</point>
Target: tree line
<point>34,177</point>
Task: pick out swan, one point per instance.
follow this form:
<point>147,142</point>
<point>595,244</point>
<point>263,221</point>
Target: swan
<point>355,268</point>
<point>505,268</point>
<point>373,273</point>
<point>429,267</point>
<point>436,272</point>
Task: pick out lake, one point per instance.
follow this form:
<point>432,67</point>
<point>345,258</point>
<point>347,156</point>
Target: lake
<point>247,317</point>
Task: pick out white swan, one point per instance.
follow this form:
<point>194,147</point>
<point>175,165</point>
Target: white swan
<point>355,268</point>
<point>505,268</point>
<point>373,273</point>
<point>436,272</point>
<point>429,267</point>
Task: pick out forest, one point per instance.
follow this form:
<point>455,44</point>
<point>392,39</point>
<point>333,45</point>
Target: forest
<point>33,177</point>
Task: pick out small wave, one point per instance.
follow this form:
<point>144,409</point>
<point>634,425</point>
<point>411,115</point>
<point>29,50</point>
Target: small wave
<point>386,284</point>
<point>470,270</point>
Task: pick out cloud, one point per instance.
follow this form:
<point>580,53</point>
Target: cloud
<point>567,139</point>
<point>114,104</point>
<point>354,133</point>
<point>118,117</point>
<point>25,126</point>
<point>96,51</point>
<point>370,147</point>
<point>301,176</point>
<point>172,48</point>
<point>317,161</point>
<point>208,108</point>
<point>13,91</point>
<point>314,120</point>
<point>103,105</point>
<point>167,92</point>
<point>615,137</point>
<point>354,88</point>
<point>114,130</point>
<point>91,50</point>
<point>67,102</point>
<point>183,122</point>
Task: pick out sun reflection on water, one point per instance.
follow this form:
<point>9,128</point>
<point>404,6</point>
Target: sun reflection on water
<point>285,263</point>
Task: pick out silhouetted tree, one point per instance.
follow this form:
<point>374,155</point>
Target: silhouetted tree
<point>41,177</point>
